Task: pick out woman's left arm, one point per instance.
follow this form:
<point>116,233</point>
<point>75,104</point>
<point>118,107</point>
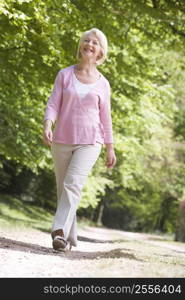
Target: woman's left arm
<point>111,157</point>
<point>106,120</point>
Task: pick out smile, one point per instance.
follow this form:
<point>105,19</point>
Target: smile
<point>88,50</point>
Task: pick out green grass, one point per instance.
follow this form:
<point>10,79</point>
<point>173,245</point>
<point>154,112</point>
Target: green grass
<point>16,213</point>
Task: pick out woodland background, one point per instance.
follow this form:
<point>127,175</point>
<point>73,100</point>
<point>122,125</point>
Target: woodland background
<point>146,69</point>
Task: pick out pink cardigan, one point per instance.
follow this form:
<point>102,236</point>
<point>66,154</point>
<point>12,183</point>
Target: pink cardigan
<point>78,121</point>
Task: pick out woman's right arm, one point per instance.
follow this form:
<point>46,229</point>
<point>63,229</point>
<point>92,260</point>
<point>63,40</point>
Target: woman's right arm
<point>47,133</point>
<point>52,109</point>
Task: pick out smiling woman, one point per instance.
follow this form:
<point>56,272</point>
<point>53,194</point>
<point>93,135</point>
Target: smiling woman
<point>80,108</point>
<point>93,41</point>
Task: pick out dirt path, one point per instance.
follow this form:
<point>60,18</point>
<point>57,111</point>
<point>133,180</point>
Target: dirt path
<point>100,253</point>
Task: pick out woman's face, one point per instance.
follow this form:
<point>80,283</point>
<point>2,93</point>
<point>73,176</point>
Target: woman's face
<point>90,48</point>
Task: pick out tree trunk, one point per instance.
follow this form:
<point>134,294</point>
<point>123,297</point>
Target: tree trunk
<point>100,214</point>
<point>180,230</point>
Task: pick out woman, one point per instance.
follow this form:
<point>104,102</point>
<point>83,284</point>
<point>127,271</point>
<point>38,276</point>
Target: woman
<point>80,105</point>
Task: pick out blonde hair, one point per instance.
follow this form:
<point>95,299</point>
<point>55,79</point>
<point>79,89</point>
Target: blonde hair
<point>102,40</point>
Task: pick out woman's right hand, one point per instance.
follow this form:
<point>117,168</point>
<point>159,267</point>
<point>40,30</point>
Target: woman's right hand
<point>47,134</point>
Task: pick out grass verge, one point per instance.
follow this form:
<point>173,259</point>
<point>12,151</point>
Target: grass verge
<point>15,213</point>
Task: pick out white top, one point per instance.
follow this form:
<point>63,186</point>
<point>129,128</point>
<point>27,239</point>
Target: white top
<point>83,88</point>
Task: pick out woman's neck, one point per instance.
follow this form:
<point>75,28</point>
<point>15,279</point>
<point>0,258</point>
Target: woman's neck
<point>86,68</point>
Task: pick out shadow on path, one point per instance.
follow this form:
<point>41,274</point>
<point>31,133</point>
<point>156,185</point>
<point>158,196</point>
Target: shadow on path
<point>15,245</point>
<point>91,240</point>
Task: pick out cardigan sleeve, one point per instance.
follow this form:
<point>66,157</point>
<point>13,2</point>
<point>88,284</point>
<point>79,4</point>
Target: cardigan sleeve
<point>54,101</point>
<point>105,115</point>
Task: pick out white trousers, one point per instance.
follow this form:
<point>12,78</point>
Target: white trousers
<point>72,164</point>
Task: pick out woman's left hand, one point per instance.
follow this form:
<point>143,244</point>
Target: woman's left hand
<point>111,158</point>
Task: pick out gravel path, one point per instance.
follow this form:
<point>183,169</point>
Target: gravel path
<point>100,253</point>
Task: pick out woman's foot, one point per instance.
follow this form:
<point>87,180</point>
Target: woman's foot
<point>59,242</point>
